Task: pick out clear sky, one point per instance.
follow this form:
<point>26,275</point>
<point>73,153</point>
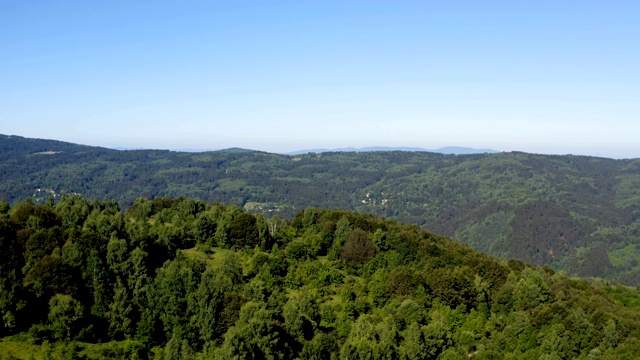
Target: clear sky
<point>545,76</point>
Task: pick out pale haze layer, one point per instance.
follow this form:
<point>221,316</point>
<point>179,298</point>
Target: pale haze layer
<point>537,76</point>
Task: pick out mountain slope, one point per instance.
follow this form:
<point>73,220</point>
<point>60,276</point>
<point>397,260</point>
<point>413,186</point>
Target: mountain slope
<point>172,278</point>
<point>575,213</point>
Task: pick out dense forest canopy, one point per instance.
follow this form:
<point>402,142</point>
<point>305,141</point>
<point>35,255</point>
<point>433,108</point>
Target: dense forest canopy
<point>183,279</point>
<point>575,213</point>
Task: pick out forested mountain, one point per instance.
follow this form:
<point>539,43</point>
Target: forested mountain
<point>574,213</point>
<point>182,279</point>
<point>445,150</point>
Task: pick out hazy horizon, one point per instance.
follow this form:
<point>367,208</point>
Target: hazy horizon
<point>543,77</point>
<point>347,148</point>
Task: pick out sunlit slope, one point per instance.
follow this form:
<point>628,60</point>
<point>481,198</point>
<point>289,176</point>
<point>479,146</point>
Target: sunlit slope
<point>182,279</point>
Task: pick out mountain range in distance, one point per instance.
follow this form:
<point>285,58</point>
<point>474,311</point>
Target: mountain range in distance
<point>450,150</point>
<point>189,150</point>
<point>455,150</point>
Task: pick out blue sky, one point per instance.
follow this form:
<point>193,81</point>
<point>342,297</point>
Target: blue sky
<point>537,76</point>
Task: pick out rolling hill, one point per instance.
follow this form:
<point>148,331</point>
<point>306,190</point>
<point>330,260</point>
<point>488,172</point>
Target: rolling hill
<point>181,279</point>
<point>575,213</point>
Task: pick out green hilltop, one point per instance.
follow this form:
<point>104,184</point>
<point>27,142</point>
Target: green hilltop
<point>182,279</point>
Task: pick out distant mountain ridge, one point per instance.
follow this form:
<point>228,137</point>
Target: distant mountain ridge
<point>189,150</point>
<point>455,150</point>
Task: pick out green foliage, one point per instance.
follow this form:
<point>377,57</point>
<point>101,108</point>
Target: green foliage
<point>301,316</point>
<point>297,250</point>
<point>371,339</point>
<point>50,275</point>
<point>120,322</point>
<point>178,348</point>
<point>42,242</point>
<point>530,292</point>
<point>391,291</point>
<point>402,281</point>
<point>358,248</point>
<point>255,336</point>
<point>242,231</point>
<point>64,313</point>
<point>231,267</point>
<point>210,305</point>
<point>117,256</point>
<point>172,291</point>
<point>321,347</point>
<point>342,231</point>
